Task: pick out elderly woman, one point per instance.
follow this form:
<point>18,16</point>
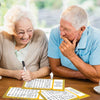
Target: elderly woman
<point>21,42</point>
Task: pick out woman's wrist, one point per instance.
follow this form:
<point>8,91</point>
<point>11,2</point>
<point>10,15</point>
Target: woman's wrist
<point>35,75</point>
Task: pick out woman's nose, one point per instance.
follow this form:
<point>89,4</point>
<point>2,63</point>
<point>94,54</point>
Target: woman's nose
<point>26,35</point>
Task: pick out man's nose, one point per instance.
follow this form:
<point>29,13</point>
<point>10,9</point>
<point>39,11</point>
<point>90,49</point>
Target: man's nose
<point>62,33</point>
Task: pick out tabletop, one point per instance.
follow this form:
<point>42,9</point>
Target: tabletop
<point>84,86</point>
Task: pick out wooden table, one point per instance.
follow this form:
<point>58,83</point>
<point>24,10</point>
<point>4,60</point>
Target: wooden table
<point>81,85</point>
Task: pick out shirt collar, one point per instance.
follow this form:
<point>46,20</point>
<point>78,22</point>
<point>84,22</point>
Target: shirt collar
<point>83,40</point>
<point>23,49</point>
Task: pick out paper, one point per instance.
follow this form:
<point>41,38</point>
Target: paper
<point>54,84</point>
<point>19,93</point>
<point>58,84</point>
<point>76,92</point>
<point>68,94</point>
<point>57,95</point>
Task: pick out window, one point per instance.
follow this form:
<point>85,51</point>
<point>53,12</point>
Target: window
<point>47,12</point>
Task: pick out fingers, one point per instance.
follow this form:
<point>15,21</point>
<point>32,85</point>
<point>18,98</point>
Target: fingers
<point>63,47</point>
<point>17,74</point>
<point>74,42</point>
<point>63,44</point>
<point>65,39</point>
<point>66,42</point>
<point>26,76</point>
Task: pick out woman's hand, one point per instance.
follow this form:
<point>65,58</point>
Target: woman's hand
<point>28,75</point>
<point>18,74</point>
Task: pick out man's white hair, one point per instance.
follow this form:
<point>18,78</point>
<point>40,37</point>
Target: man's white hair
<point>13,15</point>
<point>76,16</point>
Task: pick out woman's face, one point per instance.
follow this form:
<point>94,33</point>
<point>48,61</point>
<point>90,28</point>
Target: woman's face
<point>24,31</point>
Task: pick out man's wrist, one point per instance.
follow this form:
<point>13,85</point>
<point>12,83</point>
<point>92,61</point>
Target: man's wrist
<point>72,56</point>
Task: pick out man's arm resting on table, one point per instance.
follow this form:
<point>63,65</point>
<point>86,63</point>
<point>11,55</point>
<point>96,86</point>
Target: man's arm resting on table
<point>10,73</point>
<point>92,72</point>
<point>61,71</point>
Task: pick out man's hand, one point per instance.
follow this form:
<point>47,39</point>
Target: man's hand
<point>67,48</point>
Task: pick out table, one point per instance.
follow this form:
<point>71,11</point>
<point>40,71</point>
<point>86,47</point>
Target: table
<point>85,86</point>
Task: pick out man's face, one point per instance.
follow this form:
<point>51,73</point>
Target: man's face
<point>68,31</point>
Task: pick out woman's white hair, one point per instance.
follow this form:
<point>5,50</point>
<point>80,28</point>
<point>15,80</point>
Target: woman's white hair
<point>76,16</point>
<point>13,15</point>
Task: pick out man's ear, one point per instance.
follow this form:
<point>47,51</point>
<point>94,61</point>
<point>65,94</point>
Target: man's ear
<point>83,28</point>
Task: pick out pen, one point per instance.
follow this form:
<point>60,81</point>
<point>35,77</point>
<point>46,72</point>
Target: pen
<point>23,63</point>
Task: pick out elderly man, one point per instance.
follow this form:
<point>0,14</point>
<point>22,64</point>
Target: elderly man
<point>74,47</point>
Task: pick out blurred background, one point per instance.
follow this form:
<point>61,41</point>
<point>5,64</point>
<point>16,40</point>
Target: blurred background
<point>47,12</point>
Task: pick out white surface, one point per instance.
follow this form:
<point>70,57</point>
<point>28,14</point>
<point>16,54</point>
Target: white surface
<point>51,75</point>
<point>0,77</point>
<point>97,89</point>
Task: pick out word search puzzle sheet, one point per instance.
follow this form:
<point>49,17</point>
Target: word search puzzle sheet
<point>79,94</point>
<point>68,94</point>
<point>19,93</point>
<point>57,95</point>
<point>47,84</point>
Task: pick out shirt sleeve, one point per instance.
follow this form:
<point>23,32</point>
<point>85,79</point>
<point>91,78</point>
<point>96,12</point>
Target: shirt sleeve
<point>95,53</point>
<point>44,47</point>
<point>1,43</point>
<point>53,46</point>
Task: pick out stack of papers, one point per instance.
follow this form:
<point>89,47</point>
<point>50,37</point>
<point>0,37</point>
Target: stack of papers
<point>44,89</point>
